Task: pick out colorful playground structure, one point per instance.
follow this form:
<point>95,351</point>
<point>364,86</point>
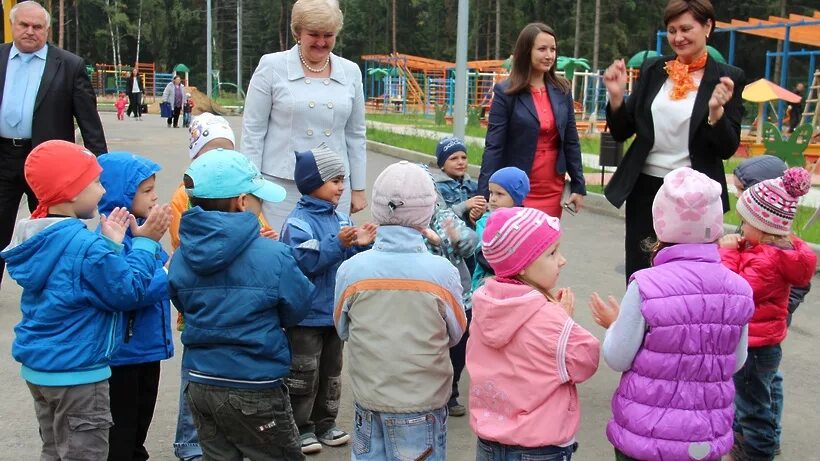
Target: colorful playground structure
<point>405,83</point>
<point>107,80</point>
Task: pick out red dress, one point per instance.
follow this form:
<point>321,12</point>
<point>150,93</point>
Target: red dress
<point>546,185</point>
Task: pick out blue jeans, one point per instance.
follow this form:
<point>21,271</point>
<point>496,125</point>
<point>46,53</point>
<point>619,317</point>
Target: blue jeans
<point>494,451</point>
<point>186,442</point>
<point>754,415</point>
<point>399,436</point>
<point>777,403</point>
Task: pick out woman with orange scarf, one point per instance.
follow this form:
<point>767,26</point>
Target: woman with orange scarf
<point>684,110</point>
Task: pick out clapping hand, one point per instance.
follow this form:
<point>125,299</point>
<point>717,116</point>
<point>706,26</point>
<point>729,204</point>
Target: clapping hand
<point>155,226</point>
<point>730,241</point>
<point>475,214</point>
<point>615,78</point>
<point>720,96</point>
<point>366,234</point>
<point>268,233</point>
<point>566,298</point>
<point>347,236</point>
<point>604,313</point>
<point>431,236</point>
<point>115,224</point>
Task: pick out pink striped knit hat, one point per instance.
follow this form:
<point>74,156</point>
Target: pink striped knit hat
<point>515,237</point>
<point>770,205</point>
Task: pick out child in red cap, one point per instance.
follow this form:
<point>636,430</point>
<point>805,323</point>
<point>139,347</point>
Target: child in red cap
<point>75,284</point>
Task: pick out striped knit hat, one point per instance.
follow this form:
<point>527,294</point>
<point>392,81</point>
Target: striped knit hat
<point>515,237</point>
<point>770,206</point>
<point>315,167</point>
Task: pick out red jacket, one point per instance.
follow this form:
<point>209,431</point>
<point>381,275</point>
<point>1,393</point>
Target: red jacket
<point>771,271</point>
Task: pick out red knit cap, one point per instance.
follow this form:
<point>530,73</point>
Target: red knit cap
<point>57,171</point>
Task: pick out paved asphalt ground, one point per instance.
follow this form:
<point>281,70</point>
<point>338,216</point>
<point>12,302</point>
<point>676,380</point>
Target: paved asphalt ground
<point>592,244</point>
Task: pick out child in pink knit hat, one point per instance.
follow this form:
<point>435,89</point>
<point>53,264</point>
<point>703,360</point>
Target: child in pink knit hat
<point>679,333</point>
<point>525,354</point>
<point>772,260</point>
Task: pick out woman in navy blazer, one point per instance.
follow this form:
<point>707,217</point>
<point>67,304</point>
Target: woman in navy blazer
<point>532,125</point>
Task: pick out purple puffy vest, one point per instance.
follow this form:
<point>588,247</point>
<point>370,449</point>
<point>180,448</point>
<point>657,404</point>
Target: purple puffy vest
<point>676,402</point>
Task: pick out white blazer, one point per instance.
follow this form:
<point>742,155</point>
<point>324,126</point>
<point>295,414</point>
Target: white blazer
<point>286,111</point>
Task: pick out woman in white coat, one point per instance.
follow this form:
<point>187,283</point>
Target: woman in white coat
<point>302,97</point>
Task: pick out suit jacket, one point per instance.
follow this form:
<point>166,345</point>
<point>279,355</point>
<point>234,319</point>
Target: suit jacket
<point>512,136</point>
<point>708,145</point>
<point>65,93</point>
<point>129,86</point>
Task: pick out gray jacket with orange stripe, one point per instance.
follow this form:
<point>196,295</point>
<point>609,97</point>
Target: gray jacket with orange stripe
<point>399,308</point>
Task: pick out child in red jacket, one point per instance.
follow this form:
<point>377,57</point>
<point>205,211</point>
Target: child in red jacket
<point>120,105</point>
<point>772,261</point>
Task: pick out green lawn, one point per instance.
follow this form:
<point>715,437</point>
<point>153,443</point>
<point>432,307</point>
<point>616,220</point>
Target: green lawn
<point>419,120</point>
<point>420,144</point>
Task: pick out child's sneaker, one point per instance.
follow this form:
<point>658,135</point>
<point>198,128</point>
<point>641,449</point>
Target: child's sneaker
<point>333,438</point>
<point>457,409</point>
<point>310,444</point>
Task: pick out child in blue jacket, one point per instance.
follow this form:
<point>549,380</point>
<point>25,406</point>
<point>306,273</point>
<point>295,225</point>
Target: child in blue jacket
<point>129,181</point>
<point>459,191</point>
<point>322,238</point>
<point>75,285</point>
<point>237,290</point>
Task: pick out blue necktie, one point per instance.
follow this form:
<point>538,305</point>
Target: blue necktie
<point>17,94</point>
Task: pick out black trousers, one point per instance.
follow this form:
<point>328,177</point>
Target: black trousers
<point>12,187</point>
<point>135,100</point>
<point>458,357</point>
<point>315,381</point>
<point>133,397</point>
<point>174,116</point>
<point>639,225</point>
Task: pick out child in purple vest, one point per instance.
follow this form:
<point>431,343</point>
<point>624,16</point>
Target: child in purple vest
<point>679,334</point>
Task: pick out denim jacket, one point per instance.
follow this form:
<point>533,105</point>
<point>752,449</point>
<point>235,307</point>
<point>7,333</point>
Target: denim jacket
<point>456,192</point>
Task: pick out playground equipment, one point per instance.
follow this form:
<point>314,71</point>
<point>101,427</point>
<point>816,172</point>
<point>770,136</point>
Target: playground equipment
<point>106,79</point>
<point>402,83</point>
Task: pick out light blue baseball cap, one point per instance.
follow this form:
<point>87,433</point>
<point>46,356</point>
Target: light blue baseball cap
<point>223,173</point>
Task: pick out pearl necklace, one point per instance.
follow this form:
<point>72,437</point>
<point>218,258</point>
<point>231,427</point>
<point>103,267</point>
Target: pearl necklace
<point>304,63</point>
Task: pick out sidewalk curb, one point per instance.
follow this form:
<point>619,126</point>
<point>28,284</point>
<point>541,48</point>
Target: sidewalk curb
<point>596,203</point>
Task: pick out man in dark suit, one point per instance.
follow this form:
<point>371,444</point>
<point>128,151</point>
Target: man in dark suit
<point>43,89</point>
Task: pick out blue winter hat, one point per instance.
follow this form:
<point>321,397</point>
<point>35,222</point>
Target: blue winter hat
<point>447,147</point>
<point>514,181</point>
<point>757,169</point>
<point>315,167</point>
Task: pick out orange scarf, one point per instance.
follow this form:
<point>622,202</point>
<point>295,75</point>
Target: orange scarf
<point>679,73</point>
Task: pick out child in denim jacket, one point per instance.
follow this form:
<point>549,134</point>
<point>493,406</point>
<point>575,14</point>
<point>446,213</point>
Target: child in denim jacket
<point>458,190</point>
<point>449,236</point>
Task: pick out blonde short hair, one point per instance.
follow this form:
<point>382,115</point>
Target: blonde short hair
<point>318,15</point>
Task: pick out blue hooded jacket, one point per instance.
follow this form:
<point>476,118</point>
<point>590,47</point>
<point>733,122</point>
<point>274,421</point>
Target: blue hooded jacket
<point>237,291</point>
<point>146,333</point>
<point>75,284</point>
<point>312,229</point>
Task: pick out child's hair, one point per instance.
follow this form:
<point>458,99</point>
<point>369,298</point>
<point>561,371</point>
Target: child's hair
<point>653,247</point>
<point>208,204</point>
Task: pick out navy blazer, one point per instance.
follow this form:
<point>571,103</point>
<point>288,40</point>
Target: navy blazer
<point>65,93</point>
<point>708,145</point>
<point>512,136</point>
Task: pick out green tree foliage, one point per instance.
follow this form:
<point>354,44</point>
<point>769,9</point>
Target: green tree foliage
<point>173,31</point>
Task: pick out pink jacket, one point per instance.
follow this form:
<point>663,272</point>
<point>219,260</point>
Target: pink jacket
<point>524,356</point>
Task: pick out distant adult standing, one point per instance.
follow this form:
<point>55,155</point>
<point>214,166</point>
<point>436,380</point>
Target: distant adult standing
<point>302,97</point>
<point>135,89</point>
<point>684,110</point>
<point>532,126</point>
<point>174,95</point>
<point>44,89</point>
<point>796,107</point>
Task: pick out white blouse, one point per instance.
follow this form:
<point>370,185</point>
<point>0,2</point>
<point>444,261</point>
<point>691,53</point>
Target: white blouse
<point>671,120</point>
